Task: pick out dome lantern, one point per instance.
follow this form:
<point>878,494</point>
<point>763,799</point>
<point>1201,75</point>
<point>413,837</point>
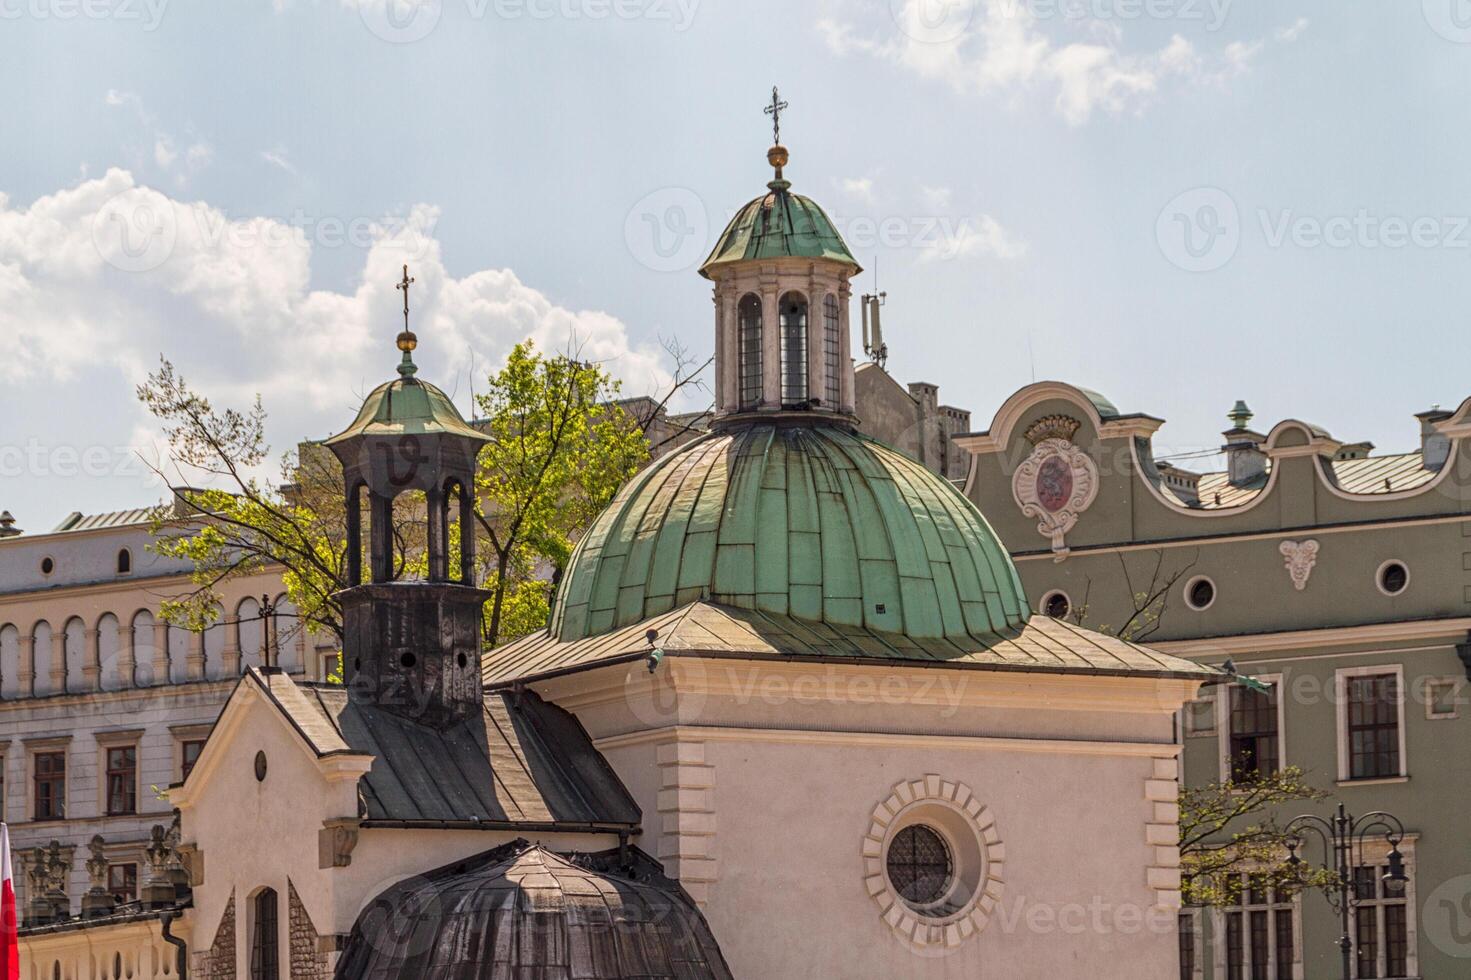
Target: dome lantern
<point>781,272</point>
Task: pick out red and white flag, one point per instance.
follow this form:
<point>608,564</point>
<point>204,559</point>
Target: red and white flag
<point>9,941</point>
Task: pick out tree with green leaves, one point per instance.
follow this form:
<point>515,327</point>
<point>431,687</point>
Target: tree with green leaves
<point>560,448</point>
<point>1229,837</point>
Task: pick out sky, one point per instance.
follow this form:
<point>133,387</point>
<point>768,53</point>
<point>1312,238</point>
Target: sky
<point>1178,203</point>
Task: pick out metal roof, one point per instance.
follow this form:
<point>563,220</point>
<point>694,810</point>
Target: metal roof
<point>1367,476</point>
<point>1044,645</point>
<point>77,521</point>
<point>408,406</point>
<point>779,224</point>
<point>522,761</point>
<point>523,911</point>
<point>801,519</point>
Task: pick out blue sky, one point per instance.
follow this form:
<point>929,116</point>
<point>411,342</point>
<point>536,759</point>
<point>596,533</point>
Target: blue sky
<point>1176,202</point>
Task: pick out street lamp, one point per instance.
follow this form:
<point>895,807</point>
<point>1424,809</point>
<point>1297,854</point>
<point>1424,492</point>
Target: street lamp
<point>1343,844</point>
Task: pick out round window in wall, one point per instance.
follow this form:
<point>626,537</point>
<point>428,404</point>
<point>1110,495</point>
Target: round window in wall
<point>47,565</point>
<point>920,868</point>
<point>1200,593</point>
<point>1056,605</point>
<point>1393,578</point>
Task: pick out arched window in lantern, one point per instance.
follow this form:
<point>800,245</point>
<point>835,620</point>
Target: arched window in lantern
<point>830,351</point>
<point>793,309</point>
<point>750,350</point>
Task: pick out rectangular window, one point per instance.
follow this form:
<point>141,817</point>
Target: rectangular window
<point>831,351</point>
<point>1442,699</point>
<point>1285,944</point>
<point>749,340</point>
<point>1254,737</point>
<point>265,955</point>
<point>1260,938</point>
<point>50,785</point>
<point>1200,717</point>
<point>122,882</point>
<point>1187,946</point>
<point>1380,926</point>
<point>1235,948</point>
<point>122,780</point>
<point>1373,726</point>
<point>190,752</point>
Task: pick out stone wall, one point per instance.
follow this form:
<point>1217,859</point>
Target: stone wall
<point>218,962</point>
<point>308,962</point>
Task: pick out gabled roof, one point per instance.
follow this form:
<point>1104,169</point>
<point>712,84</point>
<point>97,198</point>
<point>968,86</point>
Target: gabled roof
<point>521,764</point>
<point>706,629</point>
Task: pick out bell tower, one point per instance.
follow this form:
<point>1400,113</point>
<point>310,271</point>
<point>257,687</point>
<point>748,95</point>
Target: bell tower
<point>781,273</point>
<point>411,646</point>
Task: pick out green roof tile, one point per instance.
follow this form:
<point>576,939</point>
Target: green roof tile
<point>809,521</point>
<point>779,224</point>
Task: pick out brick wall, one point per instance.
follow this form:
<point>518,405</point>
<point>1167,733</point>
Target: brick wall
<point>218,962</point>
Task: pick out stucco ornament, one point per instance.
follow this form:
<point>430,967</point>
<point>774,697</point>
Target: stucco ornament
<point>975,875</point>
<point>1300,558</point>
<point>1057,482</point>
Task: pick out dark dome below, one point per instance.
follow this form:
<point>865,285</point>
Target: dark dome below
<point>522,911</point>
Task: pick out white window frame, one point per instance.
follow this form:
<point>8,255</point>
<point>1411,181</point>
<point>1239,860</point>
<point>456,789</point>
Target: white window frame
<point>1340,692</point>
<point>1379,577</point>
<point>1218,935</point>
<point>1042,604</point>
<point>1458,697</point>
<point>1210,705</point>
<point>1223,724</point>
<point>1190,585</point>
<point>1376,855</point>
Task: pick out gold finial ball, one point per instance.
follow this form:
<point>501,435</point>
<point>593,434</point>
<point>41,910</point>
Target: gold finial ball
<point>407,341</point>
<point>777,156</point>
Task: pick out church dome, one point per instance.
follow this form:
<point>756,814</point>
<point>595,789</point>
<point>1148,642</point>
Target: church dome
<point>779,224</point>
<point>408,406</point>
<point>800,519</point>
<point>521,910</point>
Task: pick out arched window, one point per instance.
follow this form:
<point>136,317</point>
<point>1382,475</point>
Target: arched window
<point>831,351</point>
<point>265,951</point>
<point>750,353</point>
<point>793,349</point>
<point>124,561</point>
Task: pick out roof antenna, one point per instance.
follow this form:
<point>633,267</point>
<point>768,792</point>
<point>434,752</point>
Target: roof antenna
<point>873,332</point>
<point>1031,356</point>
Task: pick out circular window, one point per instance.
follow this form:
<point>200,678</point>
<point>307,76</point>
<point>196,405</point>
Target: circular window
<point>260,767</point>
<point>934,863</point>
<point>461,659</point>
<point>408,660</point>
<point>1393,577</point>
<point>1056,605</point>
<point>920,867</point>
<point>1200,593</point>
<point>47,565</point>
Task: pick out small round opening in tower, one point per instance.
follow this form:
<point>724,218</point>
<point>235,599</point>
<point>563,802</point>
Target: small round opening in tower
<point>408,660</point>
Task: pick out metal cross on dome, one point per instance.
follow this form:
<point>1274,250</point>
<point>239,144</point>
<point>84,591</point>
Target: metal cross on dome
<point>774,111</point>
<point>404,285</point>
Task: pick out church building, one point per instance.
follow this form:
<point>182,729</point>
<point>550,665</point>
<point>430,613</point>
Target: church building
<point>792,717</point>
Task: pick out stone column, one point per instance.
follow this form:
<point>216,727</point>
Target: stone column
<point>817,345</point>
<point>770,342</point>
<point>125,655</point>
<point>58,660</point>
<point>161,653</point>
<point>92,662</point>
<point>722,354</point>
<point>194,659</point>
<point>231,652</point>
<point>25,674</point>
<point>845,347</point>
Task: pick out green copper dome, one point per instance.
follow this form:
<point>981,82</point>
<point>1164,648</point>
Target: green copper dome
<point>807,520</point>
<point>408,406</point>
<point>779,224</point>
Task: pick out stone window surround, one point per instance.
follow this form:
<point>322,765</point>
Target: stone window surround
<point>1340,691</point>
<point>1379,577</point>
<point>189,732</point>
<point>1223,724</point>
<point>1376,854</point>
<point>1458,689</point>
<point>905,806</point>
<point>1190,586</point>
<point>1218,935</point>
<point>37,745</point>
<point>119,738</point>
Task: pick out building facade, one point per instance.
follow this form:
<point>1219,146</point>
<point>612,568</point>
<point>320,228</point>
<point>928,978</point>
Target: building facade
<point>1341,577</point>
<point>102,704</point>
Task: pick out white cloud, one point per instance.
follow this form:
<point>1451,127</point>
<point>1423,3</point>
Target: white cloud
<point>164,153</point>
<point>979,238</point>
<point>993,47</point>
<point>229,300</point>
<point>196,156</point>
<point>935,198</point>
<point>860,188</point>
<point>1293,31</point>
<point>277,158</point>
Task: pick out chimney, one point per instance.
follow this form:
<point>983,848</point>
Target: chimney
<point>1435,446</point>
<point>1245,461</point>
<point>7,525</point>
